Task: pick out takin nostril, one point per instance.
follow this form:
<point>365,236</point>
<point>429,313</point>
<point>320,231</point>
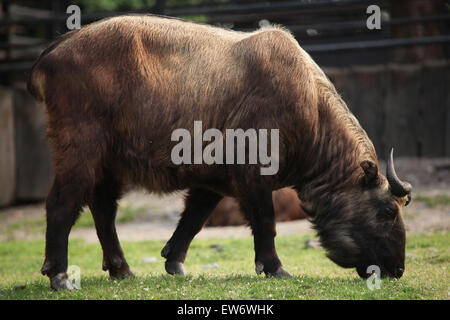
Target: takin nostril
<point>399,272</point>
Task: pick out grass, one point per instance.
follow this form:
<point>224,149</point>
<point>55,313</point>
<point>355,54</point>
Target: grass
<point>125,213</point>
<point>315,277</point>
<point>433,201</point>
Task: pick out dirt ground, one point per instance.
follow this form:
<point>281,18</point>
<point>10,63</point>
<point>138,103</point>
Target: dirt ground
<point>429,177</point>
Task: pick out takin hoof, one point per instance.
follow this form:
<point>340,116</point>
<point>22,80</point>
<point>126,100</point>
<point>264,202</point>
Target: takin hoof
<point>175,268</point>
<point>259,267</point>
<point>61,281</point>
<point>118,268</point>
<point>46,268</point>
<point>121,275</point>
<point>165,251</point>
<point>280,273</point>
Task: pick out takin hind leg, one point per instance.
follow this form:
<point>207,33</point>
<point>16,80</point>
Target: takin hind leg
<point>103,206</point>
<point>199,204</point>
<point>78,148</point>
<point>63,206</point>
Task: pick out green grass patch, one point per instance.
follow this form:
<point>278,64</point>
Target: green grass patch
<point>315,276</point>
<point>433,201</point>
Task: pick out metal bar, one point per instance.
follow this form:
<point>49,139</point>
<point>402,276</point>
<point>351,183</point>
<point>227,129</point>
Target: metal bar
<point>359,24</point>
<point>294,28</point>
<point>238,9</point>
<point>18,46</point>
<point>342,25</point>
<point>375,44</point>
<point>15,66</point>
<point>263,7</point>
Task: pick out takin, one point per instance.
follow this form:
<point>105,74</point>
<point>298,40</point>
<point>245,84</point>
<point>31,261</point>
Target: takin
<point>115,90</point>
<point>286,206</point>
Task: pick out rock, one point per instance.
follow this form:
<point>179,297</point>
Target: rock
<point>211,266</point>
<point>306,287</point>
<point>149,260</point>
<point>411,255</point>
<point>218,247</point>
<point>21,287</point>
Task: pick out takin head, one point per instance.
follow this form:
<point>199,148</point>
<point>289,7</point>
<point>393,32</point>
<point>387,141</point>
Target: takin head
<point>363,225</point>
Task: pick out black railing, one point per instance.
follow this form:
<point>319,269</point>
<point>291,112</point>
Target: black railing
<point>322,26</point>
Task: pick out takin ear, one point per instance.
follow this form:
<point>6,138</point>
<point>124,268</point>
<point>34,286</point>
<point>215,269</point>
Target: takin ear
<point>370,173</point>
<point>307,208</point>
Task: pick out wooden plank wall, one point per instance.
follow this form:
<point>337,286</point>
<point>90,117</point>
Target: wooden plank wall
<point>33,164</point>
<point>402,106</point>
<point>7,153</point>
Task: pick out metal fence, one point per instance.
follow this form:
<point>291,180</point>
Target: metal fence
<point>334,32</point>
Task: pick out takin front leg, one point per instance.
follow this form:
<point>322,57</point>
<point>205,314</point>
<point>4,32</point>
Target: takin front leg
<point>258,208</point>
<point>103,207</point>
<point>199,204</point>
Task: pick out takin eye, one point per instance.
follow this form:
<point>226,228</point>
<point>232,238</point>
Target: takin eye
<point>390,212</point>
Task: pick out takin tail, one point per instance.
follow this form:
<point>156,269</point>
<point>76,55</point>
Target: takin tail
<point>35,86</point>
<point>36,80</point>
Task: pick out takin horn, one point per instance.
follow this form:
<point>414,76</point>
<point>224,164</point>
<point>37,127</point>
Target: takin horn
<point>398,188</point>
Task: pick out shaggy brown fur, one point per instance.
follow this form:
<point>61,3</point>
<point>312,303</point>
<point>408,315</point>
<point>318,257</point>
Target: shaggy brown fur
<point>115,91</point>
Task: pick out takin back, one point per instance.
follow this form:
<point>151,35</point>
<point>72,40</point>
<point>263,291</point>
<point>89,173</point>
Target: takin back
<point>115,90</point>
